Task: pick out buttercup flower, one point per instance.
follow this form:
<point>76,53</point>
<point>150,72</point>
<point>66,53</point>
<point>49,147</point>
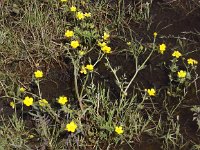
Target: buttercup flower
<point>63,0</point>
<point>30,136</point>
<point>106,36</point>
<point>176,54</point>
<point>106,49</point>
<point>74,44</point>
<point>119,130</point>
<point>182,74</point>
<point>83,2</point>
<point>162,48</point>
<point>89,67</point>
<point>71,127</point>
<point>151,92</point>
<point>22,90</point>
<point>128,43</point>
<point>80,15</point>
<point>102,44</point>
<point>28,101</point>
<point>192,62</point>
<point>83,70</point>
<point>43,102</point>
<point>38,74</point>
<point>73,9</point>
<point>81,52</point>
<point>62,100</point>
<point>155,34</point>
<point>69,33</point>
<point>87,14</point>
<point>12,104</point>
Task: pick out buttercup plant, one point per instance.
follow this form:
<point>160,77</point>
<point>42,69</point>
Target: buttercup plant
<point>89,73</point>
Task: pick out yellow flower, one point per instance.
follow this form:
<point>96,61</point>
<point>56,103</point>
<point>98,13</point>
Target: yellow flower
<point>83,70</point>
<point>102,44</point>
<point>162,48</point>
<point>43,102</point>
<point>83,2</point>
<point>128,43</point>
<point>87,14</point>
<point>63,0</point>
<point>182,74</point>
<point>155,34</point>
<point>106,49</point>
<point>73,9</point>
<point>119,130</point>
<point>106,36</point>
<point>192,61</point>
<point>69,33</point>
<point>81,52</point>
<point>89,67</point>
<point>80,15</point>
<point>151,92</point>
<point>176,54</point>
<point>71,127</point>
<point>12,104</point>
<point>22,90</point>
<point>28,101</point>
<point>74,44</point>
<point>38,74</point>
<point>62,100</point>
<point>30,136</point>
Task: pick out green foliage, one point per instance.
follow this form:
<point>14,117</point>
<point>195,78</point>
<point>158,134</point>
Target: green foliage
<point>196,114</point>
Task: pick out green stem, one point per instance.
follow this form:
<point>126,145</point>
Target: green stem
<point>76,86</point>
<point>83,87</point>
<point>137,70</point>
<point>39,91</point>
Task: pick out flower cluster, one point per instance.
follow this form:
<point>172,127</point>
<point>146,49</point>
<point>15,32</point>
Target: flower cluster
<point>79,14</point>
<point>72,126</point>
<point>103,43</point>
<point>74,43</point>
<point>104,47</point>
